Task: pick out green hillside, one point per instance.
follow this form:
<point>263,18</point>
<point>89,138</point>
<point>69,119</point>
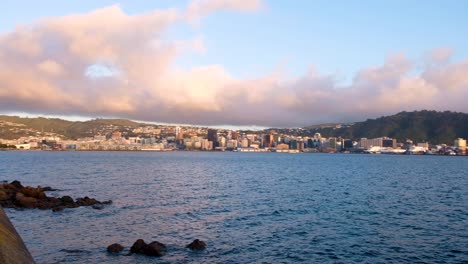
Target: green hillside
<point>68,129</point>
<point>419,126</point>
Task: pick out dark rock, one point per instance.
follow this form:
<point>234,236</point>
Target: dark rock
<point>137,247</point>
<point>25,202</point>
<point>33,192</point>
<point>86,201</point>
<point>75,251</point>
<point>17,185</point>
<point>48,189</point>
<point>115,248</point>
<point>196,245</point>
<point>58,208</point>
<point>99,206</point>
<point>154,248</point>
<point>15,195</point>
<point>67,200</point>
<point>4,195</point>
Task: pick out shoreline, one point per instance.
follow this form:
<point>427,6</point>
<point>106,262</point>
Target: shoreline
<point>220,151</point>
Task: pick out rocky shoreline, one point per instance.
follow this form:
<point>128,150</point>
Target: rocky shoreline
<point>15,195</point>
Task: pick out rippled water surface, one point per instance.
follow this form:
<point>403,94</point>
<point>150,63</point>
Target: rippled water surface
<point>248,207</point>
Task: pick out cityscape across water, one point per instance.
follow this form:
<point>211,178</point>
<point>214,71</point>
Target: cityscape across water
<point>172,138</point>
<point>255,207</point>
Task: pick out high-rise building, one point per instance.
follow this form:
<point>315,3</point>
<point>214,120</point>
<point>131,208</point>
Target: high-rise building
<point>268,141</point>
<point>213,136</point>
<point>293,144</point>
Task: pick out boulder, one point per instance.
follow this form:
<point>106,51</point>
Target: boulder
<point>99,206</point>
<point>196,245</point>
<point>137,247</point>
<point>58,208</point>
<point>115,248</point>
<point>25,202</point>
<point>154,248</point>
<point>17,185</point>
<point>4,195</point>
<point>67,200</point>
<point>48,189</point>
<point>15,195</point>
<point>33,192</point>
<point>86,201</point>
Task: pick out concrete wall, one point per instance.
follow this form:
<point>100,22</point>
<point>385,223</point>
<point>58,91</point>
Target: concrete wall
<point>12,248</point>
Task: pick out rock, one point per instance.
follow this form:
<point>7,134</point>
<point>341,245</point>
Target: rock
<point>33,192</point>
<point>4,195</point>
<point>58,208</point>
<point>26,202</point>
<point>48,189</point>
<point>99,206</point>
<point>115,248</point>
<point>67,200</point>
<point>86,201</point>
<point>197,245</point>
<point>15,195</point>
<point>137,247</point>
<point>154,248</point>
<point>17,185</point>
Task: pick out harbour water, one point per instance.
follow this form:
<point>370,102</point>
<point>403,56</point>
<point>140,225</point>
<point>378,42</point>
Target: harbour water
<point>248,207</point>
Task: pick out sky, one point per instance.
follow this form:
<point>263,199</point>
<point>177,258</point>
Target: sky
<point>267,63</point>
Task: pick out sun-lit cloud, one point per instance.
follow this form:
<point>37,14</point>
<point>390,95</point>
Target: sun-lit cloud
<point>108,63</point>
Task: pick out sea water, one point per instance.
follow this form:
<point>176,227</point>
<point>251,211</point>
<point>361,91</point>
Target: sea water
<point>247,207</point>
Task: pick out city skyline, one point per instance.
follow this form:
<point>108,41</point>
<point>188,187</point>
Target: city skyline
<point>237,63</point>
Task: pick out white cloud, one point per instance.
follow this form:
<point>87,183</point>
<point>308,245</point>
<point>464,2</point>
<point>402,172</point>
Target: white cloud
<point>43,70</point>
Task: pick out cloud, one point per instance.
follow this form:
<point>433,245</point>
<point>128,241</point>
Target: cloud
<point>201,8</point>
<point>109,63</point>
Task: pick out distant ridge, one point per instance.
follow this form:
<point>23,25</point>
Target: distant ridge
<point>419,126</point>
<point>68,129</point>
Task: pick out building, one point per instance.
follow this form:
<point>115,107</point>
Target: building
<point>179,133</point>
<point>213,136</point>
<point>245,143</point>
<point>293,144</point>
<point>377,142</point>
<point>460,144</point>
<point>268,141</point>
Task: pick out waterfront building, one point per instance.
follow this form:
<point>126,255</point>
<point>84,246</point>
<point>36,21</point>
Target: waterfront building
<point>424,145</point>
<point>460,144</point>
<point>268,141</point>
<point>245,143</point>
<point>221,142</point>
<point>293,144</point>
<point>377,142</point>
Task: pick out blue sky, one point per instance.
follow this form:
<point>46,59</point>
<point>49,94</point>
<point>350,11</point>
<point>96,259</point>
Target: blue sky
<point>336,38</point>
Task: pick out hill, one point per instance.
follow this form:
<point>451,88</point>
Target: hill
<point>419,126</point>
<point>12,127</point>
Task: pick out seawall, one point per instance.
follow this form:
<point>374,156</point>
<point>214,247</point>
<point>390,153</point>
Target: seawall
<point>12,248</point>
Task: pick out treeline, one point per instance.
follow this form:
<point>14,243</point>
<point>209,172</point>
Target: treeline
<point>419,126</point>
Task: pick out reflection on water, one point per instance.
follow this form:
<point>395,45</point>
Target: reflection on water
<point>248,207</point>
